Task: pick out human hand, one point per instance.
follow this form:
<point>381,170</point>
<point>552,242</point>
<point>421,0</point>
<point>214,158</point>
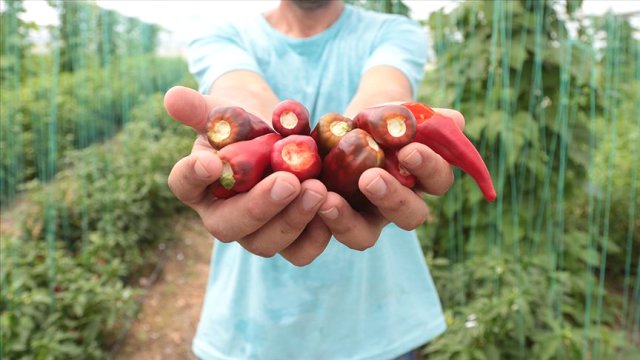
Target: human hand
<point>278,215</point>
<point>393,202</point>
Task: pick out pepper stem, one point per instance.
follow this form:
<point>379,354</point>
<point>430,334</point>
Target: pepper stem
<point>396,126</point>
<point>221,131</point>
<point>339,128</point>
<point>289,120</point>
<point>226,178</point>
<point>372,143</point>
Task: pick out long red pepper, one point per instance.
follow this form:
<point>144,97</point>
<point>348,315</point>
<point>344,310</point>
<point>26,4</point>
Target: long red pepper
<point>420,111</point>
<point>443,136</point>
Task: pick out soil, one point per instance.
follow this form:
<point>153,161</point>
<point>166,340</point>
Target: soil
<point>167,320</point>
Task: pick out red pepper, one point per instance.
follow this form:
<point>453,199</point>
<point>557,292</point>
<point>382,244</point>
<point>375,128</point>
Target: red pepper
<point>341,169</point>
<point>443,136</point>
<point>421,112</point>
<point>244,164</point>
<point>220,192</point>
<point>393,167</point>
<point>290,117</point>
<point>231,124</point>
<point>391,126</point>
<point>297,154</point>
<point>330,129</point>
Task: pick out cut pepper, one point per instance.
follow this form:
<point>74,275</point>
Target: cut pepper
<point>330,129</point>
<point>244,164</point>
<point>297,154</point>
<point>228,125</point>
<point>391,126</point>
<point>290,117</point>
<point>356,152</point>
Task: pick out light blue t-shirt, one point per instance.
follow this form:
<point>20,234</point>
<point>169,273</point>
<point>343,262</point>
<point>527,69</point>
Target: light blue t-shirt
<point>347,304</point>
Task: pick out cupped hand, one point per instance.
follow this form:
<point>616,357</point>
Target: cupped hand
<point>278,215</point>
<point>393,202</point>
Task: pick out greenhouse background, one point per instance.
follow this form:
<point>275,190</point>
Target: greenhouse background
<point>93,241</point>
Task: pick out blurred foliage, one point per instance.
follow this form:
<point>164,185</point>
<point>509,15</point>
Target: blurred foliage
<point>91,106</point>
<point>107,65</point>
<point>65,276</point>
<point>524,277</point>
<point>91,147</point>
<point>385,6</point>
<point>114,33</point>
<point>67,319</point>
<point>14,40</point>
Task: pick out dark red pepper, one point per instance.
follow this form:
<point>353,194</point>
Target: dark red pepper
<point>290,117</point>
<point>391,126</point>
<point>443,136</point>
<point>231,124</point>
<point>297,154</point>
<point>244,164</point>
<point>341,168</point>
<point>330,129</point>
<point>393,167</point>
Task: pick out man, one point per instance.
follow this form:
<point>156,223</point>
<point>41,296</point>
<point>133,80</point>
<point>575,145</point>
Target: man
<point>287,281</point>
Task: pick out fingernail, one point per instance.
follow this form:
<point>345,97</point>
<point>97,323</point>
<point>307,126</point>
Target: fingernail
<point>281,190</point>
<point>310,199</point>
<point>377,187</point>
<point>201,171</point>
<point>413,160</point>
<point>330,214</point>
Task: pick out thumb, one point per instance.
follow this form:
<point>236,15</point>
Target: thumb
<point>191,176</point>
<point>188,107</point>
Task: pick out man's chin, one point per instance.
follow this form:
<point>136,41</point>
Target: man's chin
<point>311,5</point>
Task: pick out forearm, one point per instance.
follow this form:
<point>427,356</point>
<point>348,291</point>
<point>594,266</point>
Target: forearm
<point>246,90</point>
<point>367,100</point>
<point>380,85</point>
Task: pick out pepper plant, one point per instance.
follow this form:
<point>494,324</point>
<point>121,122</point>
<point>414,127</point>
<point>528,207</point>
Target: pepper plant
<point>523,277</point>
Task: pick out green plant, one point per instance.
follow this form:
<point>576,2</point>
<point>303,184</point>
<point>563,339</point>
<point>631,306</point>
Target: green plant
<point>537,269</point>
<point>65,278</point>
<point>55,305</point>
<point>91,105</point>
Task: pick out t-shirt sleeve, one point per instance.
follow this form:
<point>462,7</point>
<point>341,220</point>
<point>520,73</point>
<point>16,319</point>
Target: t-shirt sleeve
<point>216,53</point>
<point>401,43</point>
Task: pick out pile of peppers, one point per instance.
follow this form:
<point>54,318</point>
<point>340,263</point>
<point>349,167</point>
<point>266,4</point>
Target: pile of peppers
<point>338,150</point>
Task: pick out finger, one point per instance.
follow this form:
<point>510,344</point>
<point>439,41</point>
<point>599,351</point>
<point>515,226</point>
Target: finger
<point>201,143</point>
<point>397,203</point>
<point>356,230</point>
<point>309,245</point>
<point>434,174</point>
<point>187,106</point>
<point>455,115</point>
<point>191,176</point>
<point>234,218</point>
<point>285,227</point>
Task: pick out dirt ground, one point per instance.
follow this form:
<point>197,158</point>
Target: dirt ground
<point>169,315</point>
